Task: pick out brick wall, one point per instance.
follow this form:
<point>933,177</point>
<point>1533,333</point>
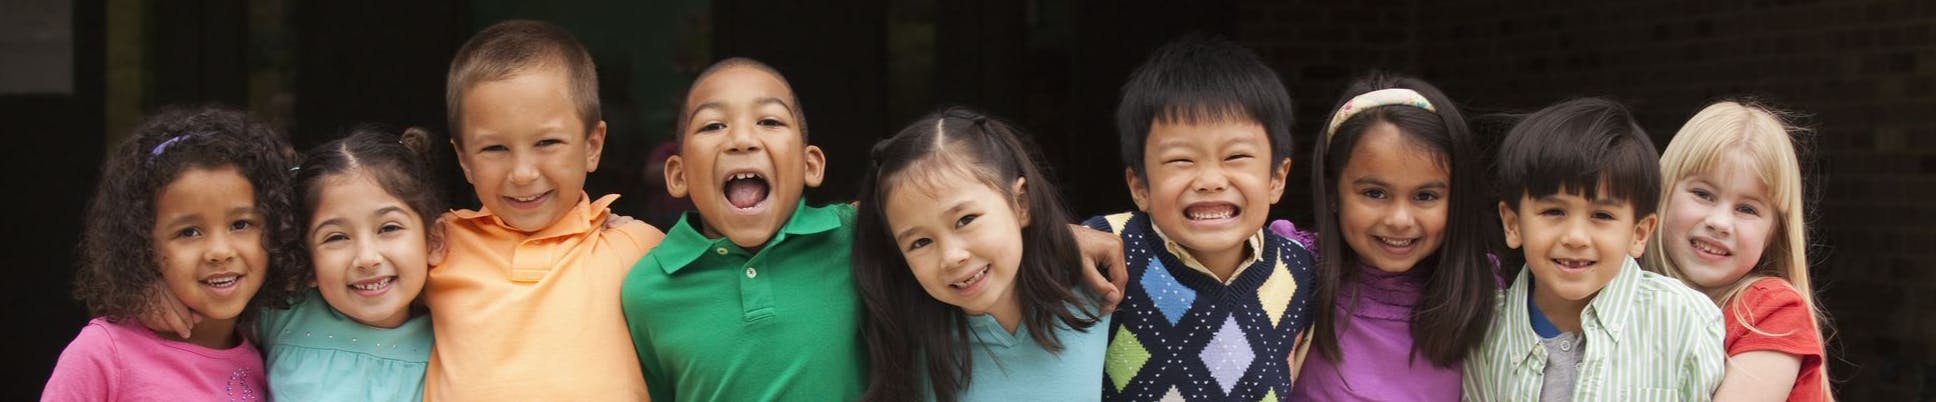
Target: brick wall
<point>1864,72</point>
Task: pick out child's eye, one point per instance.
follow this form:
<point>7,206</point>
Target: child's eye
<point>966,219</point>
<point>334,237</point>
<point>1375,194</point>
<point>918,243</point>
<point>1748,209</point>
<point>1178,162</point>
<point>389,228</point>
<point>494,148</point>
<point>714,126</point>
<point>771,123</point>
<point>1603,215</point>
<point>1552,212</point>
<point>188,233</point>
<point>1236,157</point>
<point>1702,194</point>
<point>1425,197</point>
<point>241,225</point>
<point>550,142</point>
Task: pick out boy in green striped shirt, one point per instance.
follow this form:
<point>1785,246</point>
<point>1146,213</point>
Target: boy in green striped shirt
<point>1578,186</point>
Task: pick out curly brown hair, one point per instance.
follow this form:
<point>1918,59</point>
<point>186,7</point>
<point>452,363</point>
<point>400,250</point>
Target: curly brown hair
<point>118,261</point>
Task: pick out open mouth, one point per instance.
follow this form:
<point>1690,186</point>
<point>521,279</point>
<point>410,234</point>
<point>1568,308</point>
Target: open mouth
<point>1709,247</point>
<point>1396,242</point>
<point>1211,211</point>
<point>971,280</point>
<point>222,281</point>
<point>372,287</point>
<point>1573,264</point>
<point>527,202</point>
<point>746,190</point>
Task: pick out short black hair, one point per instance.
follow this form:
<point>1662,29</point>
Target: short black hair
<point>1202,79</point>
<point>1575,146</point>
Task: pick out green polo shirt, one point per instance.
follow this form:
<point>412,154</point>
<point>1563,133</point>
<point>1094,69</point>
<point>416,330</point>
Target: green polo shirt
<point>714,322</point>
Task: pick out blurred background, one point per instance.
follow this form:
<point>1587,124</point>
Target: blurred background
<point>76,75</point>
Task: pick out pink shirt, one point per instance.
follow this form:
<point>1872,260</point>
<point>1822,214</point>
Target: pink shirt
<point>127,362</point>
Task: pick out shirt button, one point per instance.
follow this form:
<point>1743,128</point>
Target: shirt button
<point>721,250</point>
<point>750,272</point>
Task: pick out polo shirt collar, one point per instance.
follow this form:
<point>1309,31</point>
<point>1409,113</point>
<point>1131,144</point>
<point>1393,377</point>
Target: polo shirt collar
<point>581,218</point>
<point>685,243</point>
<point>1608,310</point>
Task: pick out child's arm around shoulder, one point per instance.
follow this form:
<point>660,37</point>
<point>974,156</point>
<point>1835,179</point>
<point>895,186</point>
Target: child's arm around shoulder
<point>635,232</point>
<point>1766,361</point>
<point>86,370</point>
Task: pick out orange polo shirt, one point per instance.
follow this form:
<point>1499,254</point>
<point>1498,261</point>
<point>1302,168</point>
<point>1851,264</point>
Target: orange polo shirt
<point>535,316</point>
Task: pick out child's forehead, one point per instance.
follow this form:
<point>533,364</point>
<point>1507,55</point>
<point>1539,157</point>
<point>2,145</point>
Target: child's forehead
<point>739,84</point>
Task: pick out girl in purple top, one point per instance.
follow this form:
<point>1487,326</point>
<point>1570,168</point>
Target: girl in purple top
<point>196,202</point>
<point>1405,290</point>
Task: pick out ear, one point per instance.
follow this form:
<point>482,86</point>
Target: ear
<point>1138,190</point>
<point>463,161</point>
<point>675,176</point>
<point>1642,231</point>
<point>1021,201</point>
<point>1278,174</point>
<point>594,146</point>
<point>816,166</point>
<point>434,243</point>
<point>1510,220</point>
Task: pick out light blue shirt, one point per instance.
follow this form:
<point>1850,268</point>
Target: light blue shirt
<point>1013,367</point>
<point>314,353</point>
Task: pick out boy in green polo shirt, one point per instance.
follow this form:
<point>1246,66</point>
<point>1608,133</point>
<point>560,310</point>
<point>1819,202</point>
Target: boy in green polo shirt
<point>752,297</point>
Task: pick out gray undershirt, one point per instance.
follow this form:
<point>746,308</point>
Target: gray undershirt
<point>1563,354</point>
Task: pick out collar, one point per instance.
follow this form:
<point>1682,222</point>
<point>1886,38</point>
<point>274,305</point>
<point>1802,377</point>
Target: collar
<point>1254,246</point>
<point>685,244</point>
<point>1607,312</point>
<point>585,216</point>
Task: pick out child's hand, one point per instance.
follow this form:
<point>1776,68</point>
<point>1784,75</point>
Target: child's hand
<point>1102,251</point>
<point>167,314</point>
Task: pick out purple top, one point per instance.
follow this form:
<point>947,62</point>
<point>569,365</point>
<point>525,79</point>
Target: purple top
<point>1376,344</point>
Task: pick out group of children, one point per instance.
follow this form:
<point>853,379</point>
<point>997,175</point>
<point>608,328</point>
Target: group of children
<point>220,267</point>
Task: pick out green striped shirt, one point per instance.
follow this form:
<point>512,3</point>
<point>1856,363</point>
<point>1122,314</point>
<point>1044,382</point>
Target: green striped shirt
<point>1648,337</point>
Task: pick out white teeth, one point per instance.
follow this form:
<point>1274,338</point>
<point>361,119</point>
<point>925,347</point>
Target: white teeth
<point>378,285</point>
<point>1217,215</point>
<point>525,199</point>
<point>1396,243</point>
<point>744,176</point>
<point>221,281</point>
<point>1698,245</point>
<point>971,280</point>
<point>1573,263</point>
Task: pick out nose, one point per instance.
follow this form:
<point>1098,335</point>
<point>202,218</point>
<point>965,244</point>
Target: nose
<point>1719,220</point>
<point>1575,234</point>
<point>1210,179</point>
<point>1399,219</point>
<point>367,256</point>
<point>954,254</point>
<point>524,169</point>
<point>741,138</point>
<point>221,249</point>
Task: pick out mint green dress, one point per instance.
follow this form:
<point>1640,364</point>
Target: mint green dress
<point>314,353</point>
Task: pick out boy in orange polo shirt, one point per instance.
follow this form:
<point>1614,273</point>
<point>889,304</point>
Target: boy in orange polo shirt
<point>526,304</point>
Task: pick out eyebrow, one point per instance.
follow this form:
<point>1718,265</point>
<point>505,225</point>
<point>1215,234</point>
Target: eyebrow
<point>950,211</point>
<point>720,105</point>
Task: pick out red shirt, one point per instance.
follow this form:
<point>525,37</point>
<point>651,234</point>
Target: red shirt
<point>1778,312</point>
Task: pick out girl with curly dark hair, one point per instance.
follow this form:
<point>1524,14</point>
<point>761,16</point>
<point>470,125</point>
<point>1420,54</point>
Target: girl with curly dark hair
<point>197,202</point>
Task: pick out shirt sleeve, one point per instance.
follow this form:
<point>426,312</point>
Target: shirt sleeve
<point>1704,361</point>
<point>1776,318</point>
<point>86,369</point>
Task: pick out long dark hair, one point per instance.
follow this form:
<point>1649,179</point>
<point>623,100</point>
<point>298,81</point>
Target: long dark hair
<point>906,327</point>
<point>1451,318</point>
<point>399,162</point>
<point>118,263</point>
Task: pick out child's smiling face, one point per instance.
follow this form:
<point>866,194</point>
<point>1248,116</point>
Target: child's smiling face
<point>525,149</point>
<point>961,238</point>
<point>1392,199</point>
<point>1718,223</point>
<point>368,249</point>
<point>1209,185</point>
<point>208,241</point>
<point>1575,246</point>
<point>743,158</point>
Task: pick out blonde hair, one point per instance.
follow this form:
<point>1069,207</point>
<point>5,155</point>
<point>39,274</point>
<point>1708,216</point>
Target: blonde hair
<point>1763,135</point>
